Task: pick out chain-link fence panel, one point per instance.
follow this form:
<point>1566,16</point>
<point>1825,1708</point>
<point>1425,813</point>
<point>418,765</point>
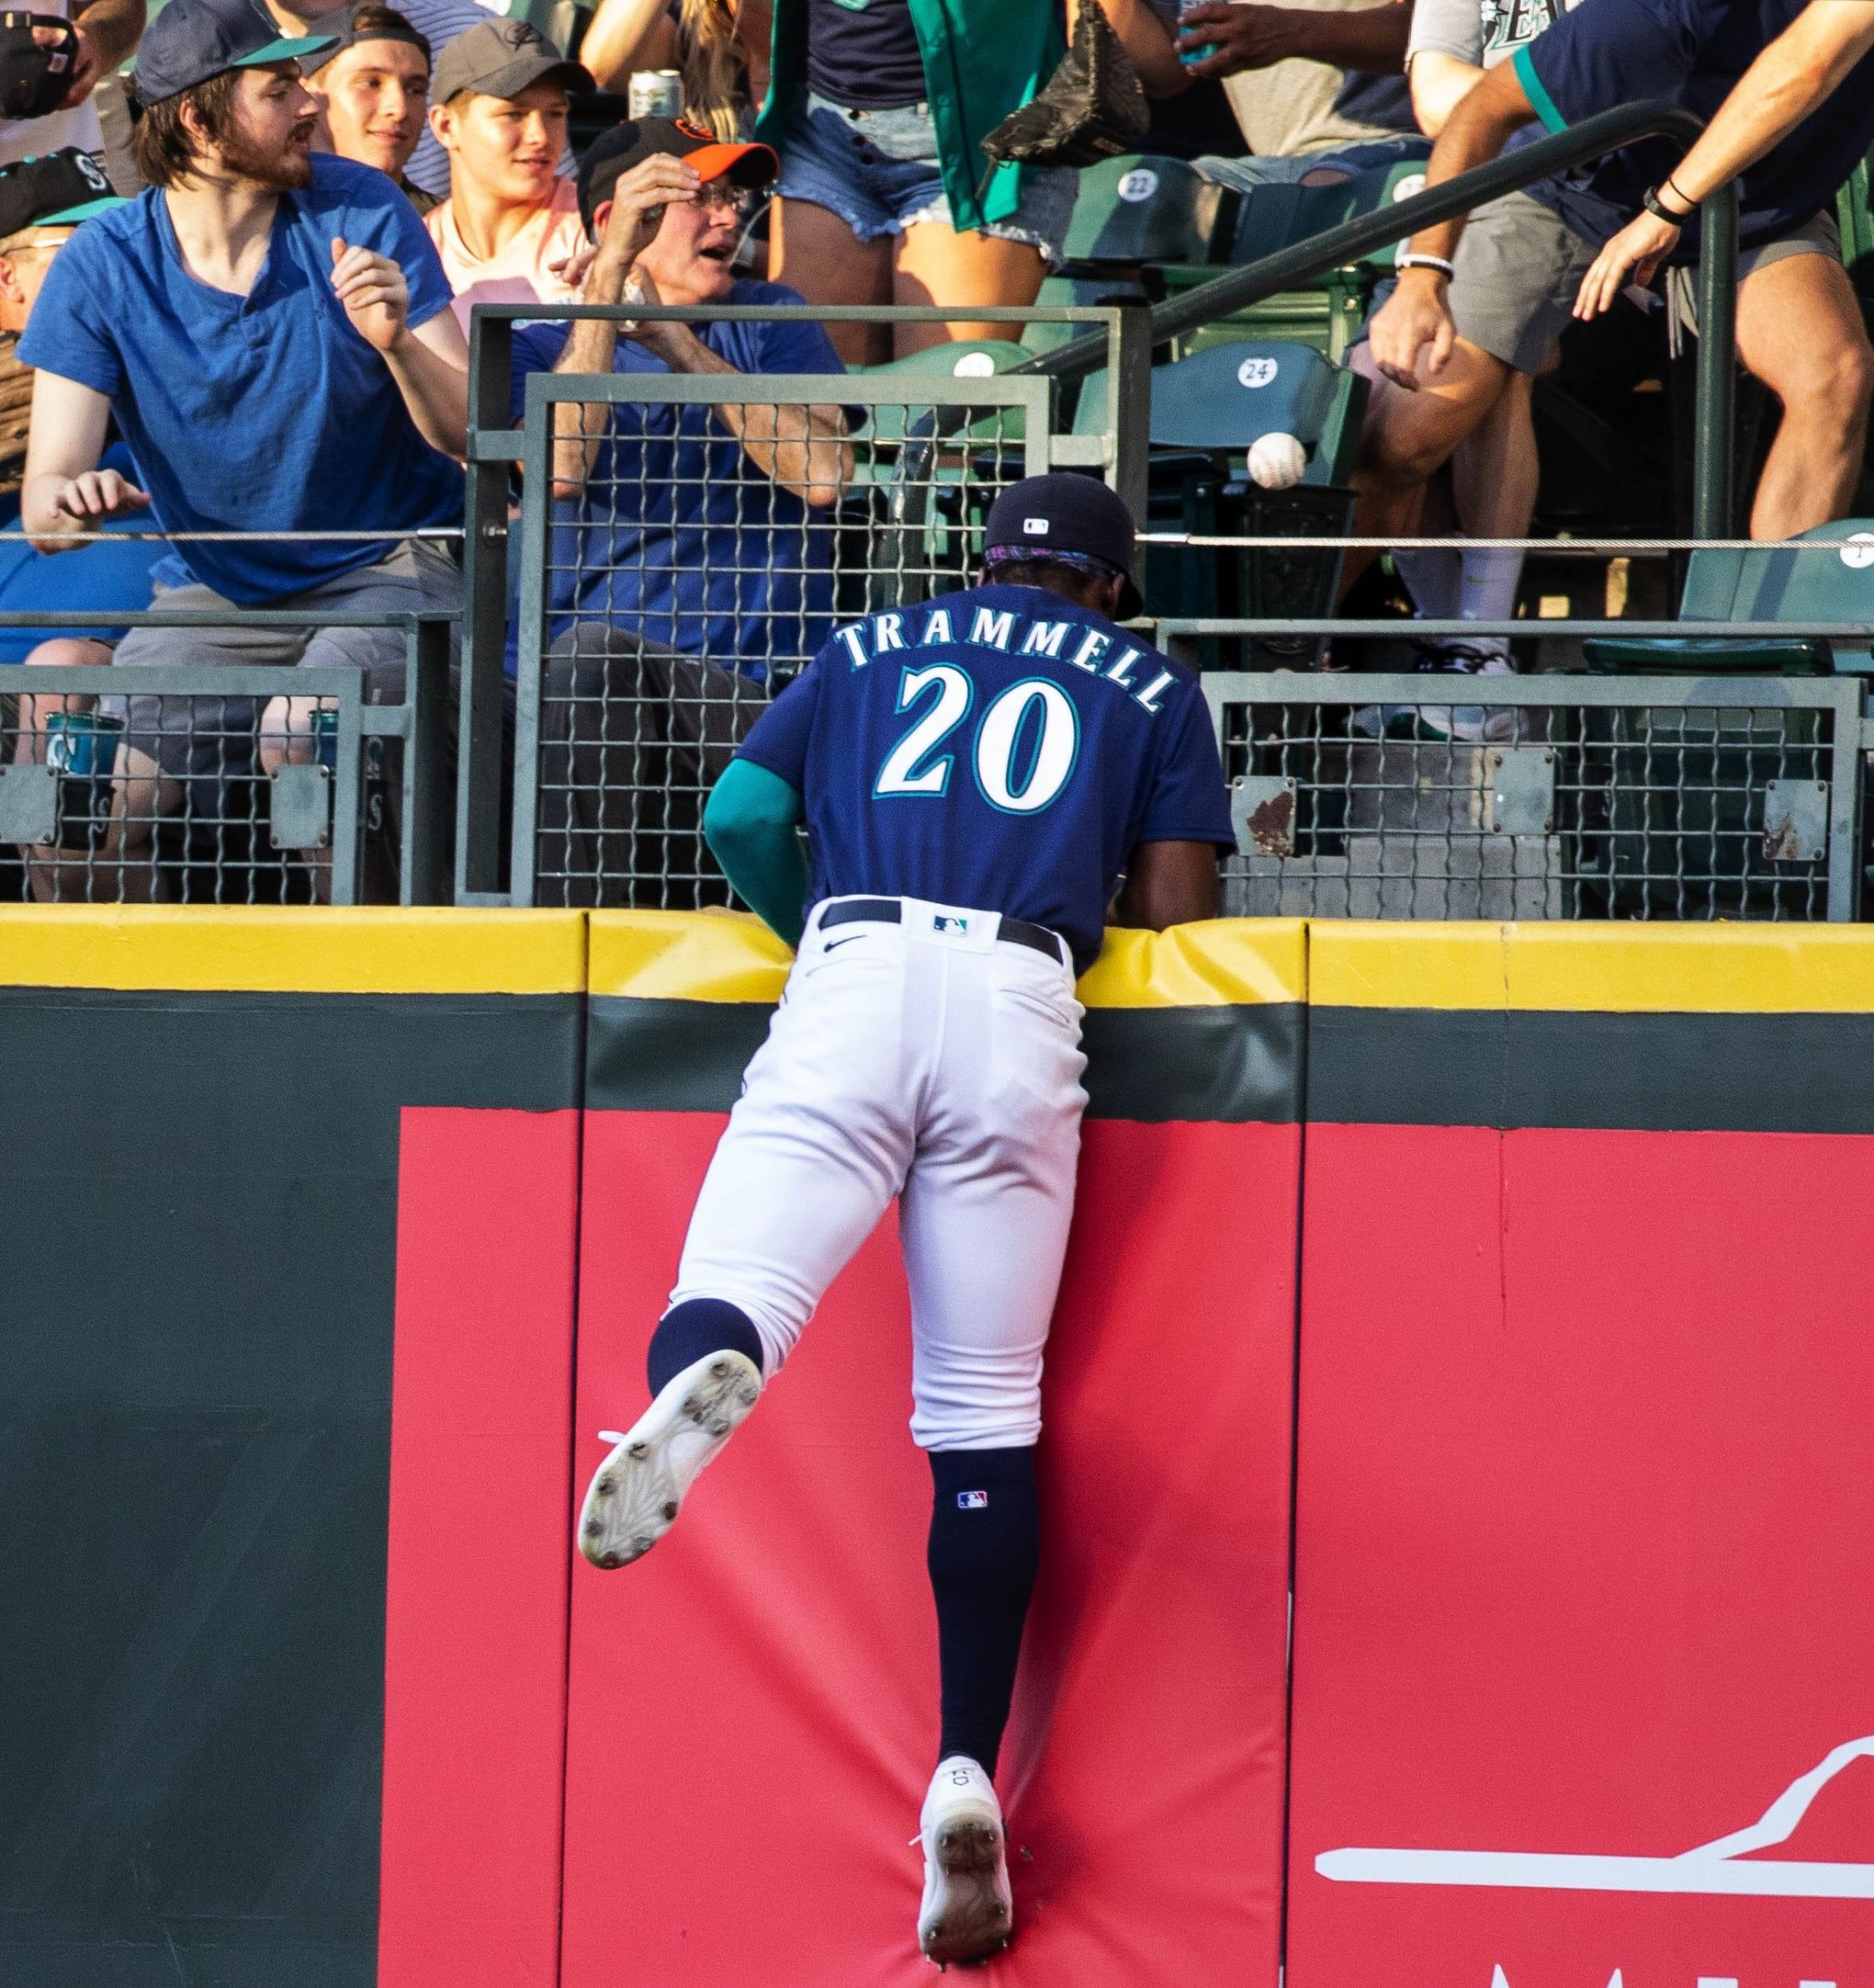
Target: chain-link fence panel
<point>1541,798</point>
<point>224,784</point>
<point>688,543</point>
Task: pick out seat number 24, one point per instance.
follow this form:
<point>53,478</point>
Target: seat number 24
<point>1026,745</point>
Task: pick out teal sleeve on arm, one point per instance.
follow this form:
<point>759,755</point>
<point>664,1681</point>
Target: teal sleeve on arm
<point>1540,102</point>
<point>751,825</point>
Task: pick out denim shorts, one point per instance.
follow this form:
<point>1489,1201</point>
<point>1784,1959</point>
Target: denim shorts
<point>877,170</point>
<point>1246,175</point>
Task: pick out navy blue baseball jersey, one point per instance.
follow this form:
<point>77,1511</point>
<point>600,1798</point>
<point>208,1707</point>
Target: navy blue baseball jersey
<point>1001,749</point>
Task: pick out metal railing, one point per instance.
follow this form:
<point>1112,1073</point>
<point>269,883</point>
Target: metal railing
<point>1550,797</point>
<point>224,783</point>
<point>948,437</point>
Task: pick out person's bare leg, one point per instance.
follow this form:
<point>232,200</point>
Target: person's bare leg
<point>118,871</point>
<point>63,651</point>
<point>1409,436</point>
<point>1800,331</point>
<point>53,874</point>
<point>812,249</point>
<point>289,737</point>
<point>1493,469</point>
<point>1494,475</point>
<point>938,265</point>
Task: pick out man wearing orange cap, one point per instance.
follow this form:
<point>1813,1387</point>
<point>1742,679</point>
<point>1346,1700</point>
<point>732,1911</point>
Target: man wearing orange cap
<point>693,545</point>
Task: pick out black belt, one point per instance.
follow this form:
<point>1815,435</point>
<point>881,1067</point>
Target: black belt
<point>891,911</point>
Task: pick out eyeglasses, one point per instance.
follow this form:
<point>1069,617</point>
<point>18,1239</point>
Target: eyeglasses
<point>739,200</point>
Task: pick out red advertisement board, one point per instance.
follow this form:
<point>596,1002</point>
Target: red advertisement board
<point>752,1711</point>
<point>1583,1686</point>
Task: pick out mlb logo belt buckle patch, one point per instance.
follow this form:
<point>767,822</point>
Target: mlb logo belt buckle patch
<point>951,924</point>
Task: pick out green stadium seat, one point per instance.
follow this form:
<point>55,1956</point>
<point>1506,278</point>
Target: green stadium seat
<point>1143,208</point>
<point>1207,411</point>
<point>1855,210</point>
<point>1222,400</point>
<point>1773,583</point>
<point>966,358</point>
<point>1079,291</point>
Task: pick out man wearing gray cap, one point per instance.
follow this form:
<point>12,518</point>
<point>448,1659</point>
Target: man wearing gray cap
<point>509,227</point>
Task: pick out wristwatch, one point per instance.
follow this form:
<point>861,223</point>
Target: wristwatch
<point>1657,208</point>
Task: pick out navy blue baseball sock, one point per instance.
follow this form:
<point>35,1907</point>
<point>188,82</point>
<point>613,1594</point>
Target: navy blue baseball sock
<point>985,1543</point>
<point>691,1331</point>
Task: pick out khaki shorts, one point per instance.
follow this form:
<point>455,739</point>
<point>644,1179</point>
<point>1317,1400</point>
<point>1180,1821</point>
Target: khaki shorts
<point>194,738</point>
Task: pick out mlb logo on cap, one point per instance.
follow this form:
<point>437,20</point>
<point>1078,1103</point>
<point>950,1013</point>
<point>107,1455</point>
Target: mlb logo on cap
<point>972,1501</point>
<point>1035,527</point>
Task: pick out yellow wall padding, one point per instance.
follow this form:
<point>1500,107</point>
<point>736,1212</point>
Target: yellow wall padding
<point>1609,969</point>
<point>297,949</point>
<point>671,955</point>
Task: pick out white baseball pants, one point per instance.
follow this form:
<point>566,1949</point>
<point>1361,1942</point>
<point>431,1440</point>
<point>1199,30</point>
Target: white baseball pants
<point>941,1064</point>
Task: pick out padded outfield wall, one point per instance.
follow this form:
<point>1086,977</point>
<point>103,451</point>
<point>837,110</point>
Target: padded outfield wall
<point>1505,1287</point>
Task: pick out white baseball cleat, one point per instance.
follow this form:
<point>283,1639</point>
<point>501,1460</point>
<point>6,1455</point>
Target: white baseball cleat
<point>637,1493</point>
<point>968,1912</point>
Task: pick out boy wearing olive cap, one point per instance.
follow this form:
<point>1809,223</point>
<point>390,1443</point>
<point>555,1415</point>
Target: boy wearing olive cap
<point>509,229</point>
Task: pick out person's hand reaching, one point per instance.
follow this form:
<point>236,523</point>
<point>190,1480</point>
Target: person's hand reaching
<point>81,503</point>
<point>1632,256</point>
<point>1414,320</point>
<point>374,293</point>
<point>1239,36</point>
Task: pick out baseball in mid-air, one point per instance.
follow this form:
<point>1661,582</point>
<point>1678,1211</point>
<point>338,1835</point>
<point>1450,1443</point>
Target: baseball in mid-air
<point>1276,461</point>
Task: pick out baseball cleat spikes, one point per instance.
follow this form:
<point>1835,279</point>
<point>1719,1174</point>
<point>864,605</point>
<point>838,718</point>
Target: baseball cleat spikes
<point>967,1910</point>
<point>636,1494</point>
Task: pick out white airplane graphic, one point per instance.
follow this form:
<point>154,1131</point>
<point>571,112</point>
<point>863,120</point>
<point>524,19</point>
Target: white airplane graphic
<point>1711,1868</point>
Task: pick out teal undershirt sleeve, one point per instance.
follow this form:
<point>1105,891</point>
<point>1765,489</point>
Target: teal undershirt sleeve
<point>751,825</point>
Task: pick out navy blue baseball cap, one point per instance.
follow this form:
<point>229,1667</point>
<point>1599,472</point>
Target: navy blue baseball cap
<point>191,40</point>
<point>1066,516</point>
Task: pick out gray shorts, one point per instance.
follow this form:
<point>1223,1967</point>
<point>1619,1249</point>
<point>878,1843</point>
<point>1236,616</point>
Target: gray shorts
<point>1519,267</point>
<point>213,737</point>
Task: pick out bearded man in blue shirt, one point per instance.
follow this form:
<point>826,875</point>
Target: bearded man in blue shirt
<point>271,331</point>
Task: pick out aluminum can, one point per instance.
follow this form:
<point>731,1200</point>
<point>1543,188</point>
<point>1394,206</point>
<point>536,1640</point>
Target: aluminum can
<point>81,749</point>
<point>654,93</point>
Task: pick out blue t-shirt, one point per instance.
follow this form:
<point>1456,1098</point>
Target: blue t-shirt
<point>113,574</point>
<point>1001,748</point>
<point>263,413</point>
<point>1605,52</point>
<point>677,535</point>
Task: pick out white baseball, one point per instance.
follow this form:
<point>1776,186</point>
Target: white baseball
<point>1277,461</point>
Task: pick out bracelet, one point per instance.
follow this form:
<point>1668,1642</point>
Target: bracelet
<point>1657,208</point>
<point>1442,264</point>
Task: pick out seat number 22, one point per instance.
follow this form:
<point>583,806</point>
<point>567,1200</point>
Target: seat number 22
<point>1026,745</point>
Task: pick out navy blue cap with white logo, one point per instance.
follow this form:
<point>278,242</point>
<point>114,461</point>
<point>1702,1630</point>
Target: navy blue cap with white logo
<point>191,40</point>
<point>1067,516</point>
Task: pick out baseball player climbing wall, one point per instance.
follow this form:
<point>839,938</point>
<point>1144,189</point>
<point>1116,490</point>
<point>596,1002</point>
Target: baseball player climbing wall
<point>988,779</point>
<point>752,1717</point>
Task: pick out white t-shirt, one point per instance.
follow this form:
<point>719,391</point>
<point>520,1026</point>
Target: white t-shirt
<point>32,137</point>
<point>1484,32</point>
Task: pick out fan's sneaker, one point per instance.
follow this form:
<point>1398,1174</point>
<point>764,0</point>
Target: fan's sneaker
<point>1488,656</point>
<point>637,1493</point>
<point>968,1910</point>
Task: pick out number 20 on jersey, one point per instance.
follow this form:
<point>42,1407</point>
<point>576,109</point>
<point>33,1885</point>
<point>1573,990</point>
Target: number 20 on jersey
<point>1023,751</point>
